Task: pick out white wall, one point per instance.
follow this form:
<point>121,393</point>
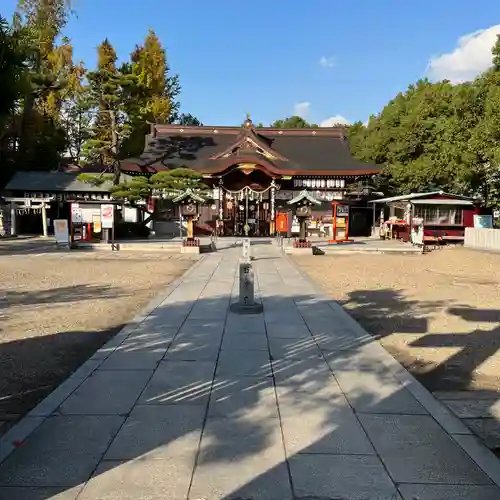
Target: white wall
<point>130,214</point>
<point>484,239</point>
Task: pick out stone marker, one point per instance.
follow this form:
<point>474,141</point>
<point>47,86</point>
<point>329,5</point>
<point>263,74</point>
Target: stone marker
<point>246,303</point>
<point>246,249</point>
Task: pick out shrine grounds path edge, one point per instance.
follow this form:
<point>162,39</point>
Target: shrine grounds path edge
<point>193,401</point>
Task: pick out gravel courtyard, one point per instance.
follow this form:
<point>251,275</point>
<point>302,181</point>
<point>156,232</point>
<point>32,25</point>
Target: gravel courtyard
<point>438,314</point>
<point>56,309</point>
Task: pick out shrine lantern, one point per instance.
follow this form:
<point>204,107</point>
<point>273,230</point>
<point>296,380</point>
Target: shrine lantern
<point>189,203</point>
<point>303,204</point>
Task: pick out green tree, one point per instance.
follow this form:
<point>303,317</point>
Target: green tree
<point>108,93</point>
<point>188,120</point>
<point>165,184</point>
<point>293,122</point>
<point>47,70</point>
<point>13,57</point>
<point>12,70</point>
<point>154,98</point>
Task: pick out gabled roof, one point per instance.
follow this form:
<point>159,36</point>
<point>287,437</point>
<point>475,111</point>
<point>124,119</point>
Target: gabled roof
<point>52,181</point>
<point>189,193</point>
<point>430,194</point>
<point>211,150</point>
<point>304,195</point>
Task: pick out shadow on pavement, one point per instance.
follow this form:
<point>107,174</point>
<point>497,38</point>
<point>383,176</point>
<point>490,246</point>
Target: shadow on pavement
<point>263,407</point>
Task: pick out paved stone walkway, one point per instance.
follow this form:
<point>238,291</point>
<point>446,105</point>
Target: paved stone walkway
<point>199,403</point>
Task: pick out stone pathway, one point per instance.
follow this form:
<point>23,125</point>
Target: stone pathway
<point>198,403</point>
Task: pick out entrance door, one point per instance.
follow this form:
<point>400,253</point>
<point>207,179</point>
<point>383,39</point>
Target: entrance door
<point>251,213</point>
<point>249,209</point>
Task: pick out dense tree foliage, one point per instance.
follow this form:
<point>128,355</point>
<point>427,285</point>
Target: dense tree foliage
<point>168,184</point>
<point>52,109</point>
<point>438,136</point>
<point>293,122</point>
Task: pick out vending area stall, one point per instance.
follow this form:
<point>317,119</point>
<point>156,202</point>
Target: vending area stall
<point>423,218</point>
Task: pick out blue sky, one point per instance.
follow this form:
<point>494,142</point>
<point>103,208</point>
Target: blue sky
<point>264,56</point>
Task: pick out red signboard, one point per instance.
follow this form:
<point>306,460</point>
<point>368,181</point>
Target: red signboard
<point>282,222</point>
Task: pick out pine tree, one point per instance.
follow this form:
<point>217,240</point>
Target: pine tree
<point>108,92</point>
<point>165,184</point>
<point>154,98</point>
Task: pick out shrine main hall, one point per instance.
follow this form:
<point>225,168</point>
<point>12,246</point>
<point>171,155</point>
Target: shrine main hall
<point>253,172</point>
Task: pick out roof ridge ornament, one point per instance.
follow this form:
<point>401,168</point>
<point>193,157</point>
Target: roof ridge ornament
<point>248,121</point>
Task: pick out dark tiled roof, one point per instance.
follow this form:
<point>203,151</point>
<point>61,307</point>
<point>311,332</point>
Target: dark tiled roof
<point>308,151</point>
<point>51,181</point>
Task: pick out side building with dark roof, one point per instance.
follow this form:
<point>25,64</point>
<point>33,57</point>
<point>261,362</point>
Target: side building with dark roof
<point>254,172</point>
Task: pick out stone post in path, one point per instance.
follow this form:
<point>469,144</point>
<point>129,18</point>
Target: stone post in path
<point>246,300</point>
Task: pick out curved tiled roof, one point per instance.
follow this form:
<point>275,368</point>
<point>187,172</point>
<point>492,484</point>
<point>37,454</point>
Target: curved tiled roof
<point>323,151</point>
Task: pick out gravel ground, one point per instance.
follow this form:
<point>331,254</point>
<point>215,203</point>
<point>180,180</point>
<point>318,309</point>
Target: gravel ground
<point>57,309</point>
<point>438,314</point>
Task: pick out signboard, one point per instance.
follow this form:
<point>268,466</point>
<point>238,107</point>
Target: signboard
<point>96,223</point>
<point>417,236</point>
<point>282,222</point>
<point>76,213</point>
<point>342,210</point>
<point>61,231</point>
<point>107,216</point>
<point>284,194</point>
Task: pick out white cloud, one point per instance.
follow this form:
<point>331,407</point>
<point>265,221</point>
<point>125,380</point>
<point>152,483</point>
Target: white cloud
<point>301,109</point>
<point>327,62</point>
<point>334,120</point>
<point>470,57</point>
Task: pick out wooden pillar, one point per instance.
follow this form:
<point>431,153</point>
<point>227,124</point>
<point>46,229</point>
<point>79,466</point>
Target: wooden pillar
<point>334,229</point>
<point>13,228</point>
<point>303,227</point>
<point>44,220</point>
<point>272,203</point>
<point>221,200</point>
<point>374,218</point>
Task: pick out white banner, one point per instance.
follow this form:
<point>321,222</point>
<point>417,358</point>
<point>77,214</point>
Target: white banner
<point>61,231</point>
<point>107,216</point>
<point>76,213</point>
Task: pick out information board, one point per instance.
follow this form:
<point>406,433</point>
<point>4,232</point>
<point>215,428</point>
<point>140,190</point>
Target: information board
<point>342,210</point>
<point>61,231</point>
<point>76,213</point>
<point>107,216</point>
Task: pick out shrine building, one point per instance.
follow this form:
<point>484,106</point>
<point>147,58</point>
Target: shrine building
<point>253,172</point>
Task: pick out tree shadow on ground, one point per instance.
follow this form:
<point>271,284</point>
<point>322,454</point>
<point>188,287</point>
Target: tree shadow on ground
<point>55,296</point>
<point>384,312</point>
<point>21,248</point>
<point>31,367</point>
<point>474,348</point>
<point>219,396</point>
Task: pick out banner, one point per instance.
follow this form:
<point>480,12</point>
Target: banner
<point>96,223</point>
<point>76,213</point>
<point>61,231</point>
<point>107,216</point>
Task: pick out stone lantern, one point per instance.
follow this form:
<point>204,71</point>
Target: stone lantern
<point>302,205</point>
<point>189,203</point>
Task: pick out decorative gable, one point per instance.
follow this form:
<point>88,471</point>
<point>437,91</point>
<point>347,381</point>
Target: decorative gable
<point>248,143</point>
